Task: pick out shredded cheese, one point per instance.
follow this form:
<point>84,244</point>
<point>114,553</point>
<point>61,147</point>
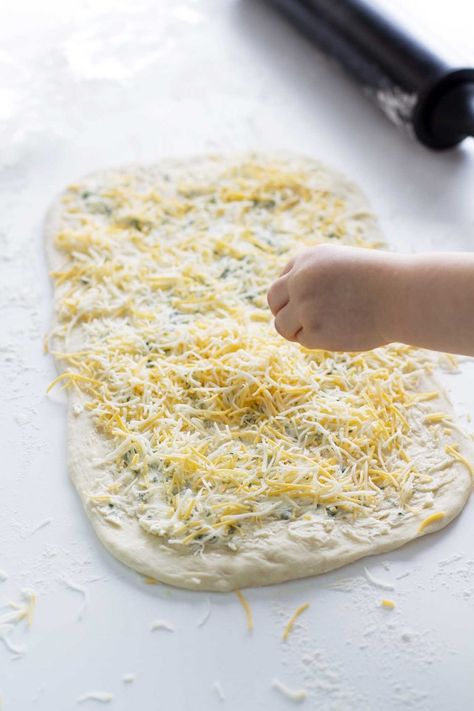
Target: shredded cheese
<point>292,694</point>
<point>16,649</point>
<point>41,525</point>
<point>161,625</point>
<point>85,596</point>
<point>216,685</point>
<point>377,582</point>
<point>102,696</point>
<point>150,581</point>
<point>290,624</point>
<point>453,451</point>
<point>388,604</point>
<point>30,597</point>
<point>436,417</point>
<point>438,516</point>
<point>247,609</point>
<point>204,618</point>
<point>217,427</point>
<point>9,620</point>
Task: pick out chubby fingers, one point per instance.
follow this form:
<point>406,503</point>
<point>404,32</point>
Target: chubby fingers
<point>287,323</point>
<point>287,267</point>
<point>278,295</point>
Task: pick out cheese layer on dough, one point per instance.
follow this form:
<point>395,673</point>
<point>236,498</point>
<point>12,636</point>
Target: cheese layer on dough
<point>217,426</point>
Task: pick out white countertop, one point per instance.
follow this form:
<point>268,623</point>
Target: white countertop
<point>84,85</point>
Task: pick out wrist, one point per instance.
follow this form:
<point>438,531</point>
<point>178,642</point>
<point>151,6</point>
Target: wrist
<point>393,306</point>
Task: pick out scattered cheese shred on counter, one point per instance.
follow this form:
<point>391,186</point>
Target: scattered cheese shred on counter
<point>217,427</point>
<point>103,696</point>
<point>148,580</point>
<point>438,516</point>
<point>292,694</point>
<point>85,594</point>
<point>216,685</point>
<point>129,678</point>
<point>41,525</point>
<point>161,625</point>
<point>290,624</point>
<point>16,649</point>
<point>388,604</point>
<point>452,559</point>
<point>19,612</point>
<point>377,582</point>
<point>204,618</point>
<point>30,597</point>
<point>247,609</point>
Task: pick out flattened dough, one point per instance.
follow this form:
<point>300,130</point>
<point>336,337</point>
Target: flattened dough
<point>311,538</point>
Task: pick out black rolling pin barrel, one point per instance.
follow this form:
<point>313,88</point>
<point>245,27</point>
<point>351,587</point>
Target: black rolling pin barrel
<point>414,87</point>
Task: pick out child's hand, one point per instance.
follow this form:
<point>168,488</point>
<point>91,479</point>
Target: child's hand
<point>337,298</point>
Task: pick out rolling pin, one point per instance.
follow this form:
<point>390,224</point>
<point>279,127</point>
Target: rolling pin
<point>418,91</point>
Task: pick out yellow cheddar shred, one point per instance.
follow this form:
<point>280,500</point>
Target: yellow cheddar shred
<point>247,609</point>
<point>453,451</point>
<point>148,580</point>
<point>436,417</point>
<point>438,516</point>
<point>388,604</point>
<point>291,622</point>
<point>30,608</point>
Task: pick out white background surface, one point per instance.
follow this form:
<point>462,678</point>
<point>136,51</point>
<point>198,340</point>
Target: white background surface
<point>84,85</point>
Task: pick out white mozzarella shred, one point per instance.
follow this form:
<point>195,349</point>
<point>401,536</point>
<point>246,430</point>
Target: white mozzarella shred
<point>16,649</point>
<point>377,582</point>
<point>205,616</point>
<point>85,596</point>
<point>217,686</point>
<point>102,696</point>
<point>129,678</point>
<point>41,525</point>
<point>9,620</point>
<point>161,625</point>
<point>296,695</point>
